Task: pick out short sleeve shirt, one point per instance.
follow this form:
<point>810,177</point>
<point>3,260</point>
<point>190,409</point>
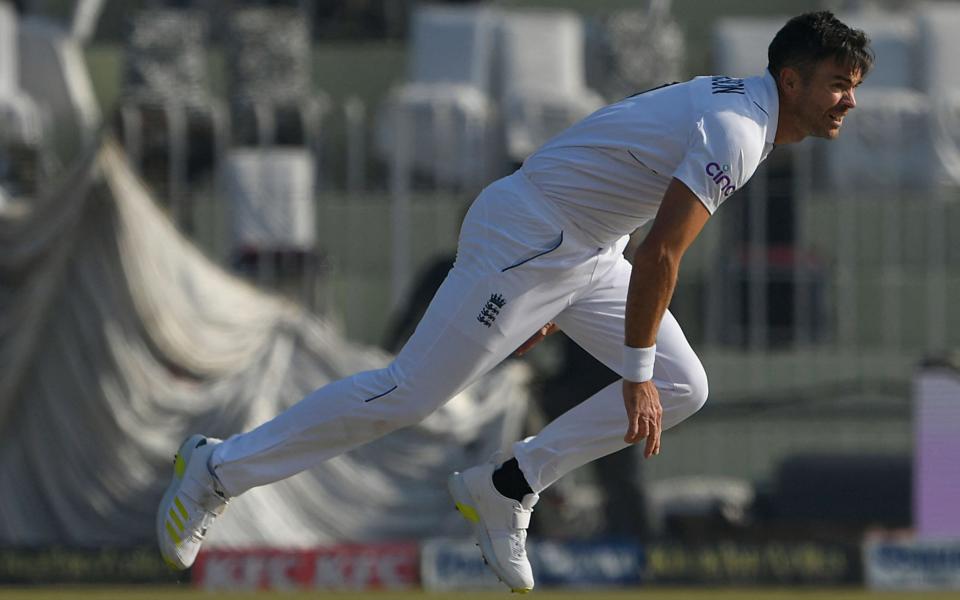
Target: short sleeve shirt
<point>608,173</point>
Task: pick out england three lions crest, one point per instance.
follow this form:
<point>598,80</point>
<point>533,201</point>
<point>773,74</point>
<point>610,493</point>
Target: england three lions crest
<point>488,314</point>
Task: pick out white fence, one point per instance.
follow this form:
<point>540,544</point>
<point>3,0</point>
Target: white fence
<point>783,267</point>
<point>809,300</point>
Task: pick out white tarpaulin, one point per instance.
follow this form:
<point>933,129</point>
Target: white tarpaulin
<point>118,338</point>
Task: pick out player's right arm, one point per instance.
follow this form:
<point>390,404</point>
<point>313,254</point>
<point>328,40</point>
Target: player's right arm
<point>723,150</point>
<point>656,264</point>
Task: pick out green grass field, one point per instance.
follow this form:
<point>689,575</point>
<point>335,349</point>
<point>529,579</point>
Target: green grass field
<point>171,592</point>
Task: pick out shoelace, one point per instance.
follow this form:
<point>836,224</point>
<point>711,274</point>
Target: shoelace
<point>205,522</point>
<point>518,544</point>
<point>212,506</point>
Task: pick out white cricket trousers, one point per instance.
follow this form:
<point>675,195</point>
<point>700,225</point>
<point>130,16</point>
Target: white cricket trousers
<point>519,265</point>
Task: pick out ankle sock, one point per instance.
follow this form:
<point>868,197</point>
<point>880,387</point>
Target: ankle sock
<point>509,480</point>
<point>217,484</point>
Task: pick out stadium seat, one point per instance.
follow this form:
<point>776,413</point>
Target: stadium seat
<point>269,194</point>
<point>172,127</point>
<point>893,38</point>
<point>891,114</point>
<point>632,50</point>
<point>441,123</point>
<point>543,79</point>
<point>885,143</point>
<point>272,168</point>
<point>740,44</point>
<point>269,66</point>
<point>939,76</point>
<point>939,47</point>
<point>453,45</point>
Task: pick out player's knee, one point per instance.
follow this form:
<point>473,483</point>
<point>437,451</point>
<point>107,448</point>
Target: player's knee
<point>412,403</point>
<point>421,411</point>
<point>699,389</point>
<point>699,393</point>
<point>414,408</point>
<point>695,387</point>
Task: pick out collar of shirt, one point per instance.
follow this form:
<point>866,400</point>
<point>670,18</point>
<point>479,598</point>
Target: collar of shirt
<point>768,100</point>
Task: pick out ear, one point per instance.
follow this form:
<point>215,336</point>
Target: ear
<point>790,80</point>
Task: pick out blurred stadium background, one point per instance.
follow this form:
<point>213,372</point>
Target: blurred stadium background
<point>208,208</point>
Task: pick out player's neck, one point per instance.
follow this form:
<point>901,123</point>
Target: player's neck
<point>788,125</point>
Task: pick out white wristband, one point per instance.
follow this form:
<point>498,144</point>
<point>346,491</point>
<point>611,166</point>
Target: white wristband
<point>638,363</point>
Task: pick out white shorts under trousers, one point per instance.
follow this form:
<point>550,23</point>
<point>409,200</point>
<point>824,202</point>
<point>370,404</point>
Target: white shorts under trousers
<point>519,265</point>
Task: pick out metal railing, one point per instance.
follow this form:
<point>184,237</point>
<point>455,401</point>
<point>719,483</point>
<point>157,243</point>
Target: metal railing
<point>784,267</point>
<point>809,305</point>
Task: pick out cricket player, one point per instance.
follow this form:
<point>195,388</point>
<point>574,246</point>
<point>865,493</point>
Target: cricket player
<point>544,246</point>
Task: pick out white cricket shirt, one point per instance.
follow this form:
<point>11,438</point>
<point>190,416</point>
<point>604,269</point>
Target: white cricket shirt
<point>608,173</point>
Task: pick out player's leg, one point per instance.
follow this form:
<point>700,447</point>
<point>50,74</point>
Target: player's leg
<point>438,362</point>
<point>481,313</point>
<point>596,427</point>
<point>588,431</point>
<point>510,276</point>
<point>449,349</point>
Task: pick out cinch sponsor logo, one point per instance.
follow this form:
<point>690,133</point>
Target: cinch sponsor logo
<point>719,176</point>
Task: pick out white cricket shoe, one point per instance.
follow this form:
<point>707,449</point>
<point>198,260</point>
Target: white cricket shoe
<point>191,503</point>
<point>499,524</point>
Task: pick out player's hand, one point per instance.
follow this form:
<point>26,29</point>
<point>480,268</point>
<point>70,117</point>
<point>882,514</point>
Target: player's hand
<point>644,415</point>
<point>535,339</point>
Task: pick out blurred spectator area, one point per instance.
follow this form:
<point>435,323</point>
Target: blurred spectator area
<point>442,123</point>
<point>172,126</point>
<point>258,150</point>
<point>485,87</point>
<point>203,80</point>
<point>810,297</point>
<point>543,80</point>
<point>21,119</point>
<point>828,238</point>
<point>900,142</point>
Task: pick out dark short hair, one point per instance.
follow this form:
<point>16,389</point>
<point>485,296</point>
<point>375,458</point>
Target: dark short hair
<point>812,37</point>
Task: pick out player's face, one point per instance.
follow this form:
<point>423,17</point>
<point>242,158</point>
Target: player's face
<point>825,98</point>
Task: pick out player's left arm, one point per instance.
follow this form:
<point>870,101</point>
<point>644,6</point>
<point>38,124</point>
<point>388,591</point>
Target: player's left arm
<point>656,264</point>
